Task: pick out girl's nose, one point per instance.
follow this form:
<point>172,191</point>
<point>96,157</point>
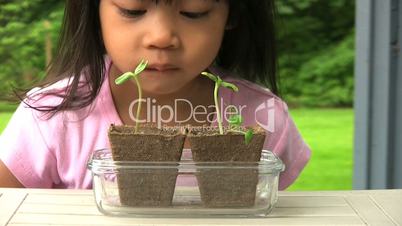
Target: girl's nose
<point>162,34</point>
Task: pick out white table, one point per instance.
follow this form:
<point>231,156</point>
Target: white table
<point>76,207</point>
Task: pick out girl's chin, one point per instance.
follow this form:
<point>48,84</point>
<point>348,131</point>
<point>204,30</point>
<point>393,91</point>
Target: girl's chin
<point>166,87</point>
<point>160,89</point>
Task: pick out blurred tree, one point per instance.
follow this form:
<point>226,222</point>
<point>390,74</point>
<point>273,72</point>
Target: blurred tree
<point>316,47</point>
<point>22,40</point>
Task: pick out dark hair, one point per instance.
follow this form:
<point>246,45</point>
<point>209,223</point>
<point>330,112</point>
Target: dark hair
<point>248,49</point>
<point>249,45</point>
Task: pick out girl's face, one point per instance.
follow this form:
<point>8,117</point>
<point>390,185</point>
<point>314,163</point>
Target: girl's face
<point>180,38</point>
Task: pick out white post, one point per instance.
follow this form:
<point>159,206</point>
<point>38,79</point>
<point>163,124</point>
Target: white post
<point>378,95</point>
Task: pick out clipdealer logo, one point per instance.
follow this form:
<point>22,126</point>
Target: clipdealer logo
<point>267,120</point>
<point>264,113</point>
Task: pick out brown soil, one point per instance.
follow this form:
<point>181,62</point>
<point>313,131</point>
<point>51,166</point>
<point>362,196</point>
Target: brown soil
<point>226,187</point>
<point>151,187</point>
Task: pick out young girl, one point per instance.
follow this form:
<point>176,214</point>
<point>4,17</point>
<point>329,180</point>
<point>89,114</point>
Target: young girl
<point>56,128</point>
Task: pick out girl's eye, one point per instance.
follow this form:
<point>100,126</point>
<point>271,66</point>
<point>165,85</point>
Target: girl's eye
<point>132,13</point>
<point>194,15</point>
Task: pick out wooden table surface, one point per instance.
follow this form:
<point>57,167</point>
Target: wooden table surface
<point>77,207</point>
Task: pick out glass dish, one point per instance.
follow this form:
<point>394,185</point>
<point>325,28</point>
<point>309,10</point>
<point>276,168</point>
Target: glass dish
<point>185,188</point>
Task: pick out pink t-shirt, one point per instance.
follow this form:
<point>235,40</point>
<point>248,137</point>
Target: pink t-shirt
<point>53,153</point>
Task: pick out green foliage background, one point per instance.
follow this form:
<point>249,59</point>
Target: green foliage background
<point>22,40</point>
<point>316,46</point>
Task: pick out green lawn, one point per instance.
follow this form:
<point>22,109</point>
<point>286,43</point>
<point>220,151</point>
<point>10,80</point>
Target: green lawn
<point>329,133</point>
<point>7,106</point>
<point>4,118</point>
<point>6,110</point>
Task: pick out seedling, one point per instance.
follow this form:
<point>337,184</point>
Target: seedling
<point>235,123</point>
<point>218,83</point>
<point>134,75</point>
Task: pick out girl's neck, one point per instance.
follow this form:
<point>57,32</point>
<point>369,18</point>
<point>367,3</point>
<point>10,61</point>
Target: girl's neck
<point>199,92</point>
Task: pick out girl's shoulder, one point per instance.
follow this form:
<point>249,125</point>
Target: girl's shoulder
<point>248,87</point>
<point>249,92</point>
<point>51,94</point>
<point>40,103</point>
<point>55,92</point>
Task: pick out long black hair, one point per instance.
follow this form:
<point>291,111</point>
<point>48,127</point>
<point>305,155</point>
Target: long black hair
<point>248,49</point>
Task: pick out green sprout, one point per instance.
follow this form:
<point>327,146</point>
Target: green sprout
<point>218,83</point>
<point>134,75</point>
<point>235,122</point>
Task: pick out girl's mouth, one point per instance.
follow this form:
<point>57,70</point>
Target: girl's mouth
<point>161,68</point>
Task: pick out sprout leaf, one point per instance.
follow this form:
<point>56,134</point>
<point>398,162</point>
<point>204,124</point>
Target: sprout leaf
<point>124,77</point>
<point>248,136</point>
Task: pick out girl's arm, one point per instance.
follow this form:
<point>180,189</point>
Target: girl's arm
<point>7,179</point>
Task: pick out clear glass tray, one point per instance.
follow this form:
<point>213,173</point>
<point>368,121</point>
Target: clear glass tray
<point>185,188</point>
